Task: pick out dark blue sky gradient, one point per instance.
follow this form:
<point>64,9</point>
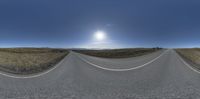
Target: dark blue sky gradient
<point>71,23</point>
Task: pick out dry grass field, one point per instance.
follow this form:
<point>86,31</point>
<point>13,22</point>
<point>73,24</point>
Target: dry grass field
<point>192,54</point>
<point>118,53</point>
<point>29,60</point>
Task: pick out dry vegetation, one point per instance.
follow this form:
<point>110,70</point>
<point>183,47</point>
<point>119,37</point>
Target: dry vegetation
<point>118,53</point>
<point>192,55</point>
<point>29,60</point>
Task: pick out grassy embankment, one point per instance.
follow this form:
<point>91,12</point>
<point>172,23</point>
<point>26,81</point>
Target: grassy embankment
<point>192,55</point>
<point>29,60</point>
<point>118,53</point>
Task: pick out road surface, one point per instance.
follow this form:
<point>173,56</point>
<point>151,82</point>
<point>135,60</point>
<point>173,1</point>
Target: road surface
<point>161,75</point>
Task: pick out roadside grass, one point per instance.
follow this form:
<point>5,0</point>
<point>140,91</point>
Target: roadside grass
<point>192,55</point>
<point>29,60</point>
<point>118,53</point>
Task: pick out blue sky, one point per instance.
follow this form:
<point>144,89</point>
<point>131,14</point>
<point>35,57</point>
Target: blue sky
<point>72,23</point>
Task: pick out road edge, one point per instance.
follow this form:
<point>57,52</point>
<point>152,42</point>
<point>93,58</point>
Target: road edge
<point>33,75</point>
<point>118,70</point>
<point>187,64</point>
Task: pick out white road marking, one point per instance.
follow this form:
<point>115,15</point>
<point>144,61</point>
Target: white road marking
<point>36,75</point>
<point>97,66</point>
<point>195,70</point>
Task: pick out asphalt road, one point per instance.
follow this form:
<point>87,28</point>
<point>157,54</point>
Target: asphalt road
<point>160,75</point>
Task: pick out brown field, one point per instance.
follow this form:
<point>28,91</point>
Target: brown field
<point>119,53</point>
<point>29,60</point>
<point>192,55</point>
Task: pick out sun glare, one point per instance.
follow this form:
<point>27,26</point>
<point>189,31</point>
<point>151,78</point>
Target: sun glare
<point>100,35</point>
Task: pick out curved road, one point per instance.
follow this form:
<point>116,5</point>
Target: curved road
<point>166,77</point>
<point>121,63</point>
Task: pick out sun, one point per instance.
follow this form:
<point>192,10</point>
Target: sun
<point>100,35</point>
